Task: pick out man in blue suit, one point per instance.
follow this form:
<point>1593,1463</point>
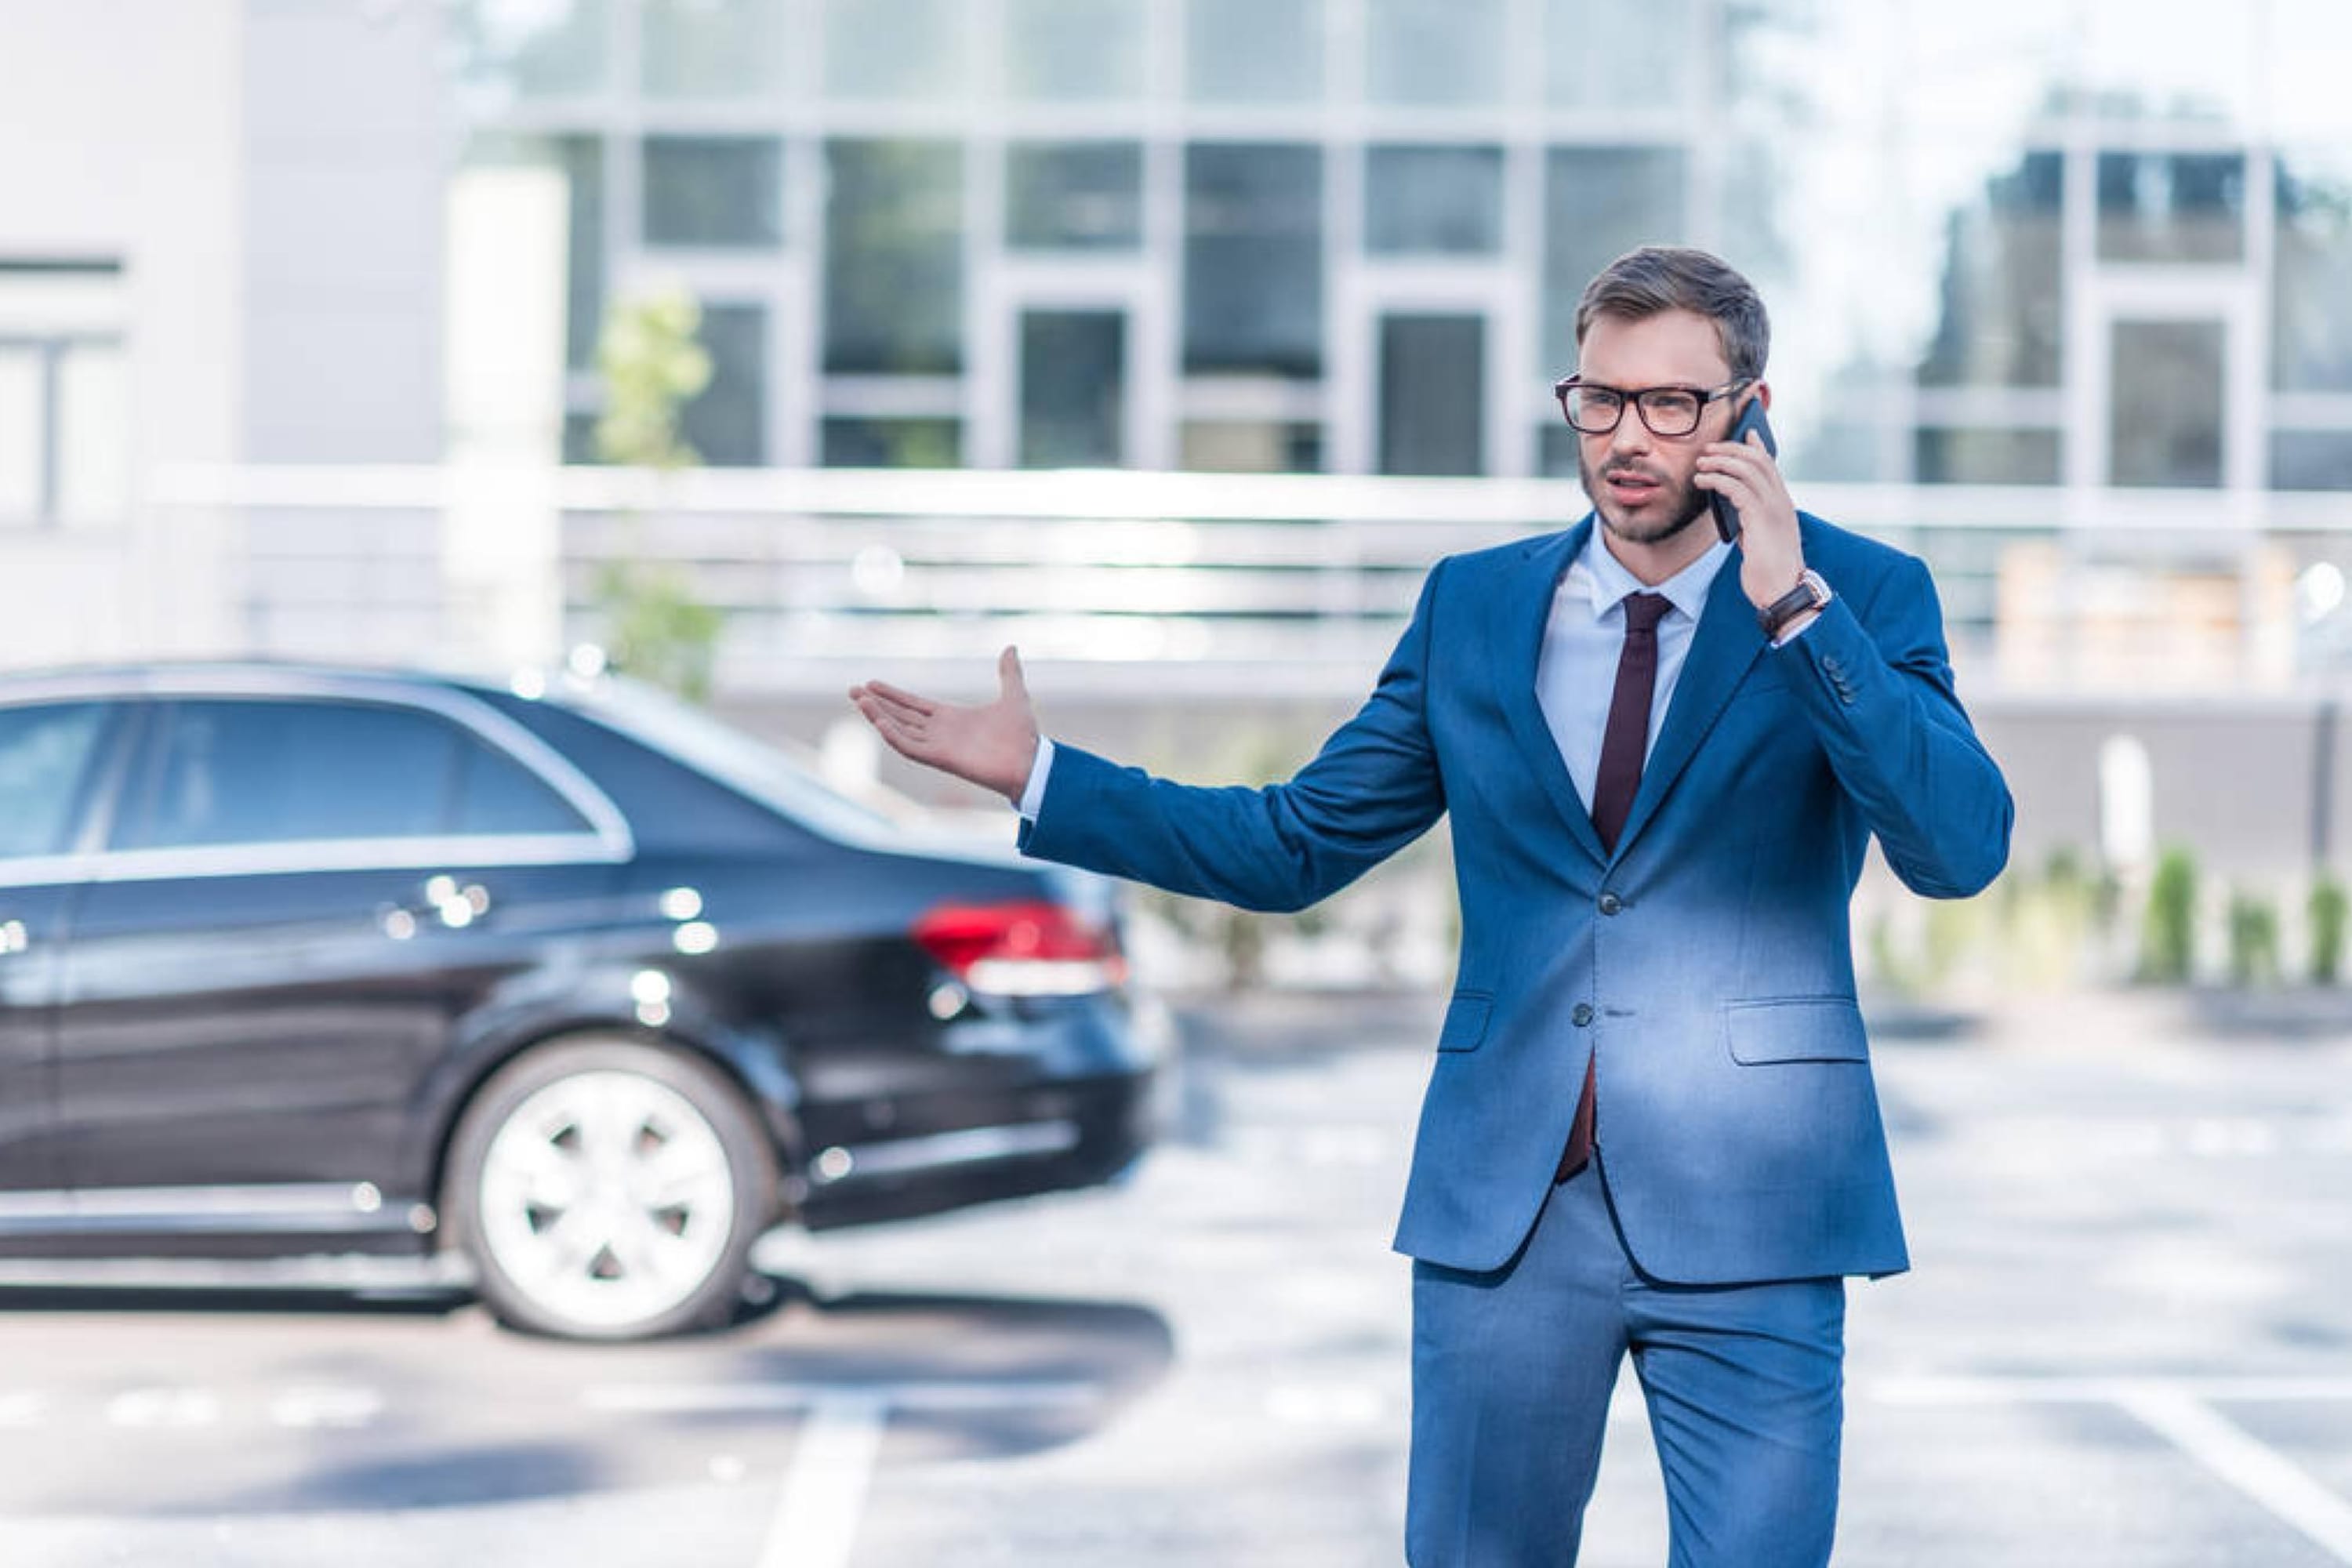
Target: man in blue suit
<point>1651,1126</point>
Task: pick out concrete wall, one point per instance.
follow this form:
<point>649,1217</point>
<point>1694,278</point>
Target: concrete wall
<point>118,139</point>
<point>343,138</point>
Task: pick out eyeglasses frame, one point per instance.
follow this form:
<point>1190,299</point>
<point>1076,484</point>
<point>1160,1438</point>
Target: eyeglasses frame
<point>1631,399</point>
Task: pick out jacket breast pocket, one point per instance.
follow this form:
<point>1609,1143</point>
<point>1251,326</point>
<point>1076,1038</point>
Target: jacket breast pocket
<point>1465,1021</point>
<point>1795,1029</point>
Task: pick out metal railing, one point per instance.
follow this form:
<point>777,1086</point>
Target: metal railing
<point>1279,585</point>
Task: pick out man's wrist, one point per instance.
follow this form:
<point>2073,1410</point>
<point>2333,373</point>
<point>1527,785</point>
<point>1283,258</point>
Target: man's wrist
<point>1796,628</point>
<point>1031,794</point>
<point>1807,599</point>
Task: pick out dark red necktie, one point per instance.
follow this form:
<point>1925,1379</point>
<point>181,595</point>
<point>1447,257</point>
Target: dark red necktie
<point>1623,745</point>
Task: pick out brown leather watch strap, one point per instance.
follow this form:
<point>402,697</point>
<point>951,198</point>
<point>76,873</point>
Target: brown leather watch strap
<point>1810,593</point>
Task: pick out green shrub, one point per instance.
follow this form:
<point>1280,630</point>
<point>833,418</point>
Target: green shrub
<point>2327,911</point>
<point>2168,953</point>
<point>2253,941</point>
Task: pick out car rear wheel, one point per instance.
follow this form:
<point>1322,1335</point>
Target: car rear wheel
<point>609,1189</point>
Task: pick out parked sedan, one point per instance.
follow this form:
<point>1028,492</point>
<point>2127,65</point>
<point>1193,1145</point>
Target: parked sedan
<point>567,978</point>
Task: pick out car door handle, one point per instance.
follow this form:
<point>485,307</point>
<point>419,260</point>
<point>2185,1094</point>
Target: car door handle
<point>444,899</point>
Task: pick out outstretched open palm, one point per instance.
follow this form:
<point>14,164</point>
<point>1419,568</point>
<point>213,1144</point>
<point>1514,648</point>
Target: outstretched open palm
<point>992,745</point>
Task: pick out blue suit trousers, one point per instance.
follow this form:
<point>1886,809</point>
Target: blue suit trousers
<point>1512,1373</point>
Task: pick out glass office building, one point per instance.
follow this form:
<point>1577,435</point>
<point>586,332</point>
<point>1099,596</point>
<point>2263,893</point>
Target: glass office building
<point>2025,242</point>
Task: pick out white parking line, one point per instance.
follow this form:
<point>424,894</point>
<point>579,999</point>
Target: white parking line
<point>2101,1390</point>
<point>2255,1469</point>
<point>2177,1410</point>
<point>824,1491</point>
<point>719,1398</point>
<point>823,1494</point>
<point>164,1407</point>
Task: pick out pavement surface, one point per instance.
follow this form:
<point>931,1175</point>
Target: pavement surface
<point>2127,1340</point>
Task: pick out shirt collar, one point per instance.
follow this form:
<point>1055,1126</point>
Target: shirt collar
<point>1605,581</point>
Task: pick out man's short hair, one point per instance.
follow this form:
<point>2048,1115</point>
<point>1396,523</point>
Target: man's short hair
<point>1659,278</point>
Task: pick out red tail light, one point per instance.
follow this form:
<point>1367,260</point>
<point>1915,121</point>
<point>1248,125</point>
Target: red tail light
<point>1033,949</point>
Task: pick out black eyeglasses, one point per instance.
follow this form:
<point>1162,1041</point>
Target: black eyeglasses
<point>1666,410</point>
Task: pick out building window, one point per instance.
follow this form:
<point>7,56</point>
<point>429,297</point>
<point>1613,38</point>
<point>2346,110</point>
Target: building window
<point>65,407</point>
<point>1254,260</point>
<point>1433,200</point>
<point>1979,456</point>
<point>1599,203</point>
<point>2311,460</point>
<point>1073,388</point>
<point>717,191</point>
<point>1252,447</point>
<point>510,50</point>
<point>1253,51</point>
<point>1432,386</point>
<point>894,258</point>
<point>855,443</point>
<point>712,48</point>
<point>2167,404</point>
<point>1074,50</point>
<point>2173,206</point>
<point>1435,52</point>
<point>1080,195</point>
<point>1605,54</point>
<point>2003,318</point>
<point>727,425</point>
<point>2311,330</point>
<point>901,51</point>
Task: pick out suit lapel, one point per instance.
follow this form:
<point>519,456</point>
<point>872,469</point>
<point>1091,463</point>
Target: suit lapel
<point>1724,645</point>
<point>1526,610</point>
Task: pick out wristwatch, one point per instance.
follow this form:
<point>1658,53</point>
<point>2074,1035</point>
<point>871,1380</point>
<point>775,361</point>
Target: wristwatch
<point>1811,592</point>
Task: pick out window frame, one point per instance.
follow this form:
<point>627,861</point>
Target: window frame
<point>604,839</point>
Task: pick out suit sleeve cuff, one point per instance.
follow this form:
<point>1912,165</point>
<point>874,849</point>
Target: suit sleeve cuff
<point>1033,795</point>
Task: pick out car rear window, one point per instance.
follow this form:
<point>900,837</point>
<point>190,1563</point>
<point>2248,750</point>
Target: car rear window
<point>45,750</point>
<point>498,795</point>
<point>264,772</point>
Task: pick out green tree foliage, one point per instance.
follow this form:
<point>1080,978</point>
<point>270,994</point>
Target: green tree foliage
<point>652,364</point>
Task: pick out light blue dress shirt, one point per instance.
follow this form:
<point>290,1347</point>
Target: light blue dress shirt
<point>1576,674</point>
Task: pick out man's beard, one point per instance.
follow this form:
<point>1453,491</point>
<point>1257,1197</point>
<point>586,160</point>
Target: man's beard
<point>1688,500</point>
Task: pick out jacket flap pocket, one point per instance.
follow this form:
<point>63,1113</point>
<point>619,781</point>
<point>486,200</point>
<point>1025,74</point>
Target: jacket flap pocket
<point>1795,1029</point>
<point>1465,1021</point>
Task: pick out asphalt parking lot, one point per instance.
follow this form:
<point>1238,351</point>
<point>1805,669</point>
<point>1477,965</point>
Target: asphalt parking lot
<point>2127,1339</point>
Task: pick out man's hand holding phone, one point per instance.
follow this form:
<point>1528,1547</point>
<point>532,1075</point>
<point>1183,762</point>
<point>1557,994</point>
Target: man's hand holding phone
<point>1741,476</point>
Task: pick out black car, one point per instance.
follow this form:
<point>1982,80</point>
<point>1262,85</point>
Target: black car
<point>564,977</point>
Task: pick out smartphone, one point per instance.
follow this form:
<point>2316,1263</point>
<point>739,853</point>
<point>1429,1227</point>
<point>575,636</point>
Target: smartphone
<point>1726,516</point>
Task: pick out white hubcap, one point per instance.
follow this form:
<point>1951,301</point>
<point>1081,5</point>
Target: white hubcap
<point>606,1198</point>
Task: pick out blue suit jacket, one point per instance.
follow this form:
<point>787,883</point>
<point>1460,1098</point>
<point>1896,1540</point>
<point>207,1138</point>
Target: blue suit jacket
<point>1707,961</point>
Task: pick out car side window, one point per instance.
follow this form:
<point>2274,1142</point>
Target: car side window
<point>498,795</point>
<point>45,751</point>
<point>274,772</point>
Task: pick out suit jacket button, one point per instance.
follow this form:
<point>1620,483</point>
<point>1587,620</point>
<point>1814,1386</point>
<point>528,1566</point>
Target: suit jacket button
<point>1582,1016</point>
<point>1611,903</point>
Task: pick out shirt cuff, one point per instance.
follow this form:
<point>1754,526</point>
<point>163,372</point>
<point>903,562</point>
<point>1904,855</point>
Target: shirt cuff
<point>1785,638</point>
<point>1034,794</point>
